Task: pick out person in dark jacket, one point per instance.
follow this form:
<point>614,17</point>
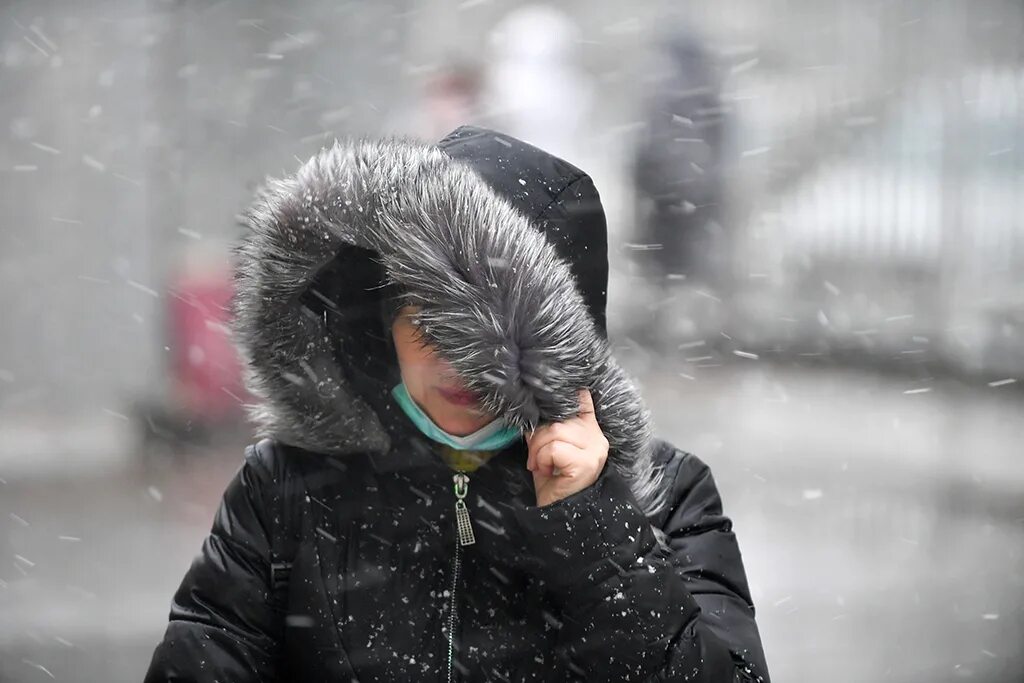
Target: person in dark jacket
<point>678,164</point>
<point>457,480</point>
<point>681,233</point>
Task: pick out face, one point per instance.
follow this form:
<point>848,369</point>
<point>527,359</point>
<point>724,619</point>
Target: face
<point>433,383</point>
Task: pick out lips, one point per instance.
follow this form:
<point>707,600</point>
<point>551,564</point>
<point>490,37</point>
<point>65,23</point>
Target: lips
<point>459,397</point>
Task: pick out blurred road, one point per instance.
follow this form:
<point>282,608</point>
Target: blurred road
<point>883,530</point>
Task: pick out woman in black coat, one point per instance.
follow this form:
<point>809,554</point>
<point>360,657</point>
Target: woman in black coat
<point>457,480</point>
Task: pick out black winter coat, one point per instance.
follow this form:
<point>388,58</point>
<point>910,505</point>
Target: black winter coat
<point>334,554</point>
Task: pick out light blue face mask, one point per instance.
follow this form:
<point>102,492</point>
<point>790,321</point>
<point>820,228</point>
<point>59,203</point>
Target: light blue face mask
<point>491,437</point>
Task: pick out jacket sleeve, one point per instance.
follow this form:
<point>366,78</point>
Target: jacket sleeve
<point>644,605</point>
<point>222,626</point>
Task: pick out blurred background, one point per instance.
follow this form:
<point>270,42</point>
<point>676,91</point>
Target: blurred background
<point>817,245</point>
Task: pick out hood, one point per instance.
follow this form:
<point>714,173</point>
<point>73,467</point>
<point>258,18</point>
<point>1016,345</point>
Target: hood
<point>501,245</point>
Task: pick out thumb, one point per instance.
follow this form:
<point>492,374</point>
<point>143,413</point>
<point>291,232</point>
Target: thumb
<point>587,404</point>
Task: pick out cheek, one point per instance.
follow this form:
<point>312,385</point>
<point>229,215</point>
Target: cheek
<point>415,370</point>
<point>419,368</point>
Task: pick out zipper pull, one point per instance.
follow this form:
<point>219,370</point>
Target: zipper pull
<point>462,521</point>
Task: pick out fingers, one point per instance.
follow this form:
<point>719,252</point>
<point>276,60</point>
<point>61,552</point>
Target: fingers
<point>578,431</point>
<point>573,433</point>
<point>557,455</point>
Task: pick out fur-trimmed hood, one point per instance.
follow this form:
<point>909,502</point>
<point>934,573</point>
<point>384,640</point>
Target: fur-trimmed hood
<point>503,248</point>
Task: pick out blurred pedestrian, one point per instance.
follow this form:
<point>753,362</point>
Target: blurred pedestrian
<point>458,481</point>
<point>452,97</point>
<point>535,89</point>
<point>678,174</point>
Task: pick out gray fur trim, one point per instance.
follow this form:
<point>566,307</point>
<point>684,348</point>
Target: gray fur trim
<point>496,301</point>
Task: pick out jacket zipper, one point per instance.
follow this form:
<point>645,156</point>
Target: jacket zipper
<point>464,536</point>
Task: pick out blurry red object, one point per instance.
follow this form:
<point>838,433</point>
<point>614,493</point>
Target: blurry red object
<point>205,368</point>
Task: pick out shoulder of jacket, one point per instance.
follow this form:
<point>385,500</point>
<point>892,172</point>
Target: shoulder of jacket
<point>278,461</point>
<point>265,457</point>
<point>283,463</point>
<point>693,492</point>
<point>676,461</point>
<point>684,473</point>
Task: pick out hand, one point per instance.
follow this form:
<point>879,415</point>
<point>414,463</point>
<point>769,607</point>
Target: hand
<point>566,457</point>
